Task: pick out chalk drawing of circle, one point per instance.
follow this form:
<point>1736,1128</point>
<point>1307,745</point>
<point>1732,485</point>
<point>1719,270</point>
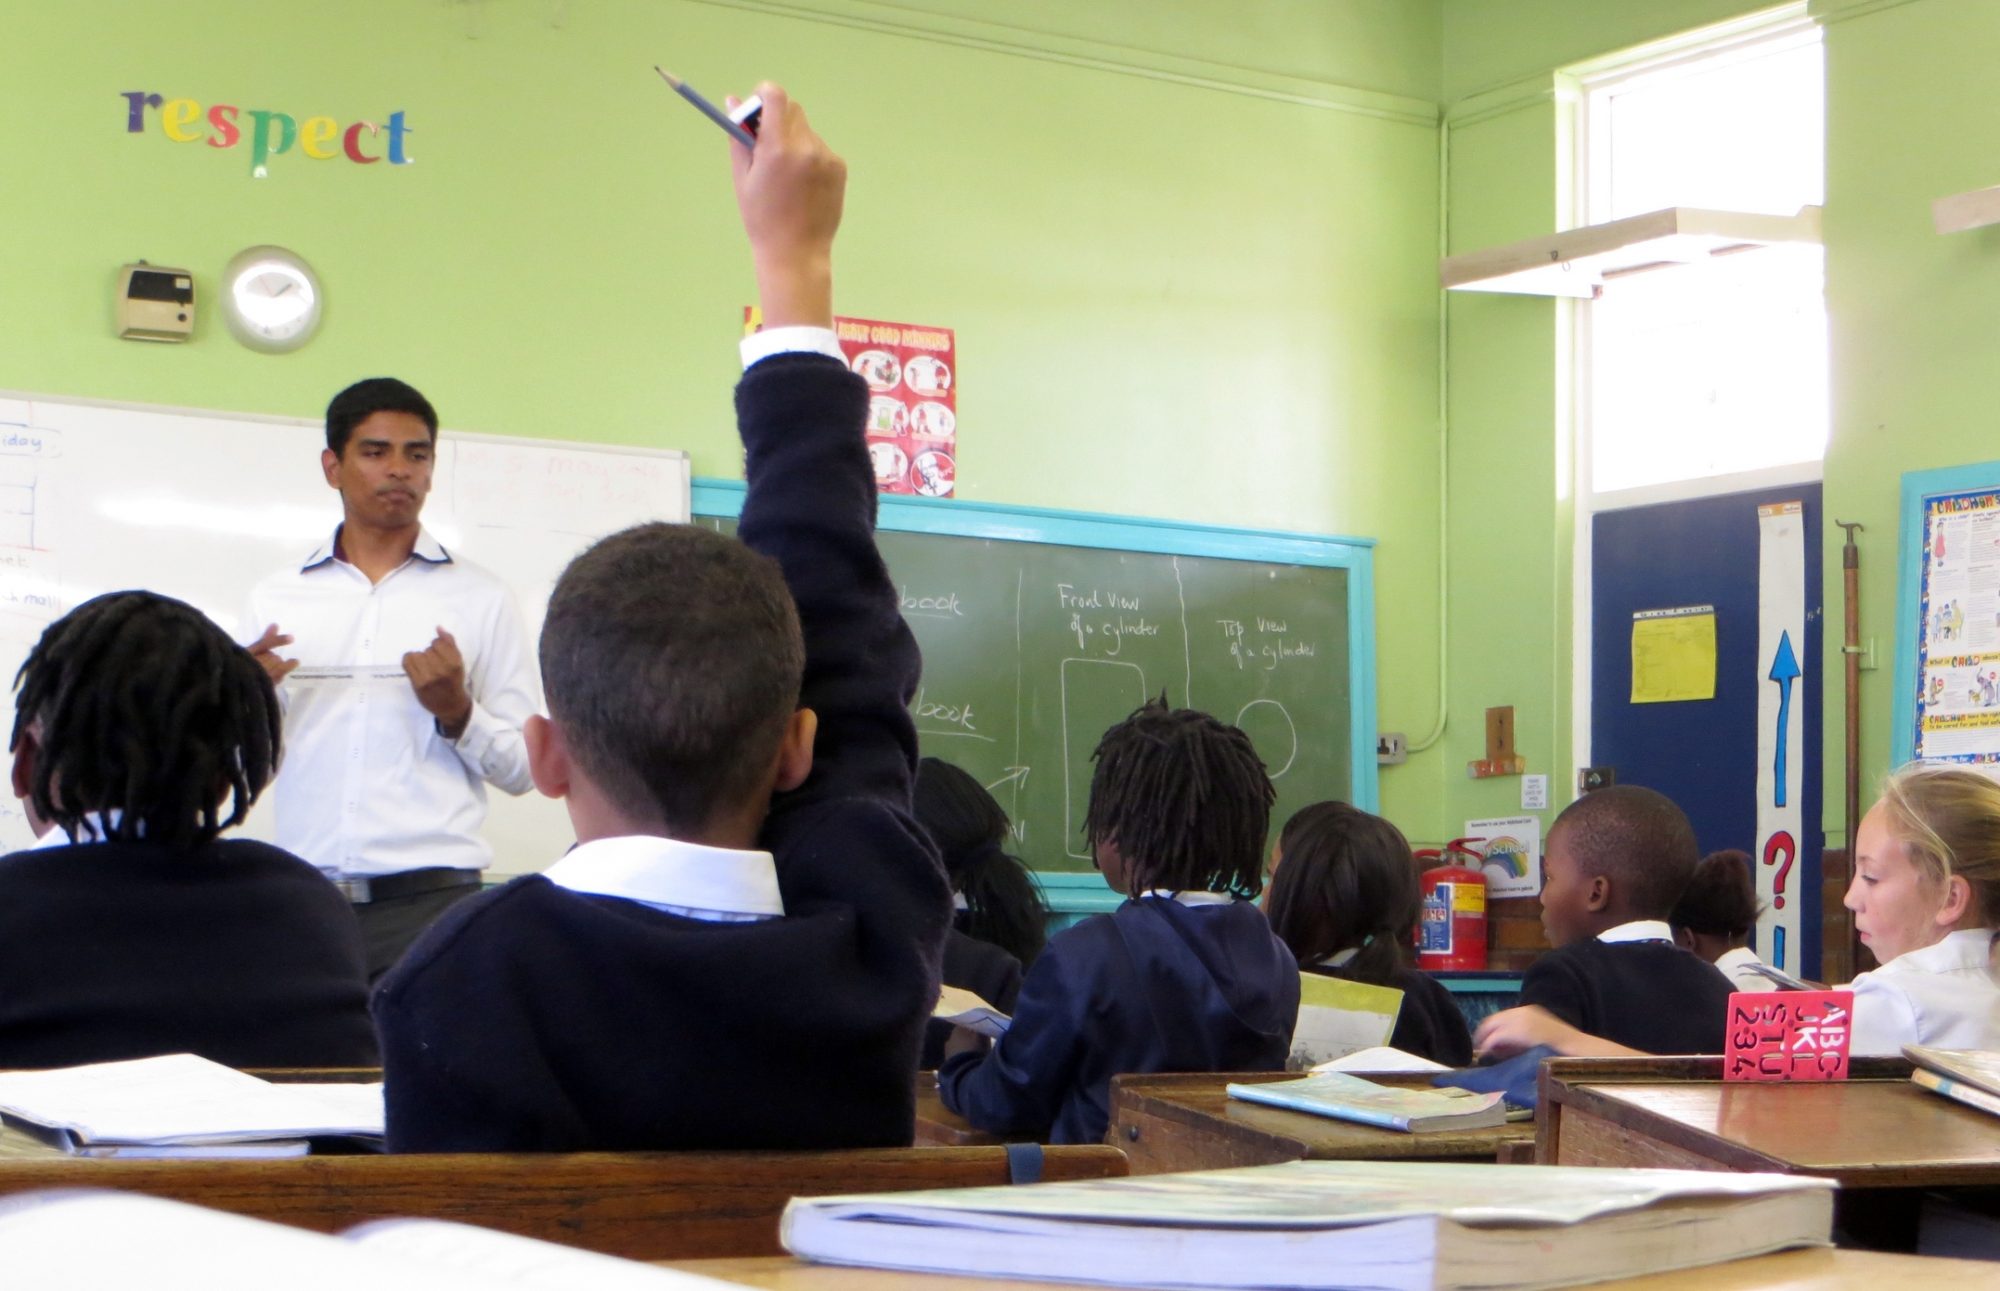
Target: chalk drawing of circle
<point>1270,731</point>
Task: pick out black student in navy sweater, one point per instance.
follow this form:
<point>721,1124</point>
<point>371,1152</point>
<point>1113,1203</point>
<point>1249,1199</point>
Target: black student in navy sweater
<point>1618,860</point>
<point>1185,976</point>
<point>141,732</point>
<point>743,947</point>
<point>1344,897</point>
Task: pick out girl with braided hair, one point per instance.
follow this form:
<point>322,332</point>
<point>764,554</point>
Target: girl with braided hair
<point>141,733</point>
<point>1186,975</point>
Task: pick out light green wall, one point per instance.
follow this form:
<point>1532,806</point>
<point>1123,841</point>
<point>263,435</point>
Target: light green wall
<point>1910,117</point>
<point>1187,282</point>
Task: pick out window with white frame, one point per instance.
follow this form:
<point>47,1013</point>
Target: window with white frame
<point>1717,367</point>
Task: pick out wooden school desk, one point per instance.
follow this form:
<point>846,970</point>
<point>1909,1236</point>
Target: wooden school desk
<point>1188,1122</point>
<point>1884,1139</point>
<point>1817,1270</point>
<point>940,1128</point>
<point>641,1205</point>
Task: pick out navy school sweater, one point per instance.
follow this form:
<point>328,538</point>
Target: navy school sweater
<point>532,1017</point>
<point>1153,986</point>
<point>232,949</point>
<point>1647,995</point>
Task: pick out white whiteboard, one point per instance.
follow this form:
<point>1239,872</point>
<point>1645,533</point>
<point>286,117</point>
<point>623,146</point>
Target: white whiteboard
<point>98,497</point>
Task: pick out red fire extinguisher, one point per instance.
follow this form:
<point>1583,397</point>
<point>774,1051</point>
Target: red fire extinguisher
<point>1451,930</point>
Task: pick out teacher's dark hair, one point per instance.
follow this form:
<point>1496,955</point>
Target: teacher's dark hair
<point>364,399</point>
<point>1186,800</point>
<point>672,660</point>
<point>148,709</point>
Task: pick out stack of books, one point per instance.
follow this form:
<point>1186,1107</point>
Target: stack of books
<point>1972,1076</point>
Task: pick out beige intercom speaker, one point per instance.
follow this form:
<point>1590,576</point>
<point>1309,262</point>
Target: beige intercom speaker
<point>155,304</point>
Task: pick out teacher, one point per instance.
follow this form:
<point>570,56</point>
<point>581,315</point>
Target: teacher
<point>413,681</point>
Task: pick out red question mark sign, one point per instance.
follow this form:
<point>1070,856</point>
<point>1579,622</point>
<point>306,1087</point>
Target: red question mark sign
<point>1780,843</point>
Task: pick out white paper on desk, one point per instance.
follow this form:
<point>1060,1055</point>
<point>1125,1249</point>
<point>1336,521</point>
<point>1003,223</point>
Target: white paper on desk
<point>181,1098</point>
<point>963,1008</point>
<point>1381,1058</point>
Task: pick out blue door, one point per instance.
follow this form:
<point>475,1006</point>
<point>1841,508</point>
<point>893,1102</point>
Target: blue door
<point>1715,554</point>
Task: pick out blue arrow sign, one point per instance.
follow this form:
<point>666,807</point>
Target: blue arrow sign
<point>1784,671</point>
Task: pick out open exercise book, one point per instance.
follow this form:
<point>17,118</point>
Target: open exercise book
<point>1400,1226</point>
<point>101,1241</point>
<point>182,1105</point>
<point>964,1008</point>
<point>1972,1076</point>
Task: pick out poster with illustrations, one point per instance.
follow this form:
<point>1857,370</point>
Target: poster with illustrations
<point>912,376</point>
<point>1512,846</point>
<point>1958,641</point>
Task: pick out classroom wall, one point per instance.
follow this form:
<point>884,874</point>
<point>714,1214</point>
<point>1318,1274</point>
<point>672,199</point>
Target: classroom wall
<point>1190,264</point>
<point>1910,117</point>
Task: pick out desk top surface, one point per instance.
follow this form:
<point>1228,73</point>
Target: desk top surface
<point>1194,1105</point>
<point>1816,1270</point>
<point>1856,1130</point>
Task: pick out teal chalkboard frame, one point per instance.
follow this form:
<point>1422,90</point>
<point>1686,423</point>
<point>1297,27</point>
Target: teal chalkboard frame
<point>1073,893</point>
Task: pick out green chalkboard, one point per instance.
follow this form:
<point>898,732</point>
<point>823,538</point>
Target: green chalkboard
<point>1040,629</point>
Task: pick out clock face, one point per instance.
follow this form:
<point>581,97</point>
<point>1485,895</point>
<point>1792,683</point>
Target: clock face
<point>271,299</point>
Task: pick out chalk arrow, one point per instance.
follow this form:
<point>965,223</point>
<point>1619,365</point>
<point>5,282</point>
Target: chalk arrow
<point>1015,776</point>
<point>1784,671</point>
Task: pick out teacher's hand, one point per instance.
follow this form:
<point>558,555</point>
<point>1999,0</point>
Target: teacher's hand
<point>438,677</point>
<point>265,651</point>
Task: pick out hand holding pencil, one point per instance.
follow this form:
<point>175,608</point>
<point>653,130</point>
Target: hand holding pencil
<point>790,189</point>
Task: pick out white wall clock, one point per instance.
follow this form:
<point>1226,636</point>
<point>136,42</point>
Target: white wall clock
<point>271,299</point>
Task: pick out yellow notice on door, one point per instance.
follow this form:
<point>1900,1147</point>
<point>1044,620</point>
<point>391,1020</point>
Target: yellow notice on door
<point>1673,654</point>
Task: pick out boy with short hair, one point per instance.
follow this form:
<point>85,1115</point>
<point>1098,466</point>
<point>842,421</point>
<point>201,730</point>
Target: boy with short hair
<point>742,949</point>
<point>1617,861</point>
<point>1185,976</point>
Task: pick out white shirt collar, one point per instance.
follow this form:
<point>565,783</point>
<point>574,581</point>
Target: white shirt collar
<point>1966,948</point>
<point>1736,957</point>
<point>718,884</point>
<point>1340,958</point>
<point>1191,898</point>
<point>1638,930</point>
<point>428,549</point>
<point>96,828</point>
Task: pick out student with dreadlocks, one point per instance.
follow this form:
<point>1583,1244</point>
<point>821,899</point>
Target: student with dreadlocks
<point>141,732</point>
<point>1186,975</point>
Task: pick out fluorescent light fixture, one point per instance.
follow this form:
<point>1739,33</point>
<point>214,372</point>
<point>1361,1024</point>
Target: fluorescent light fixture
<point>1578,262</point>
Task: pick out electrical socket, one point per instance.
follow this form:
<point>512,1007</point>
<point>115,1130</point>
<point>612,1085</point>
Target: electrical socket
<point>1392,749</point>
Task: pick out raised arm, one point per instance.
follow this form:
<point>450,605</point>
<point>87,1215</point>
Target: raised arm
<point>811,499</point>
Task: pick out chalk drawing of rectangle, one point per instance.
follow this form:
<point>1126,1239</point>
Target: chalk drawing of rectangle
<point>1101,694</point>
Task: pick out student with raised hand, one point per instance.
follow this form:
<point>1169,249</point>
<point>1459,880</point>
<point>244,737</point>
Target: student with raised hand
<point>141,733</point>
<point>1186,975</point>
<point>742,949</point>
<point>1926,900</point>
<point>1344,897</point>
<point>1617,861</point>
<point>1715,916</point>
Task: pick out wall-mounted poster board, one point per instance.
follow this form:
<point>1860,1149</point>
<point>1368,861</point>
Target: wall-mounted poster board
<point>1947,699</point>
<point>98,497</point>
<point>1040,629</point>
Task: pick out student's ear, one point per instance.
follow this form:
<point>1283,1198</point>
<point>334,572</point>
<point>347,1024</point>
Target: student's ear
<point>548,756</point>
<point>1596,892</point>
<point>1684,938</point>
<point>1957,901</point>
<point>795,750</point>
<point>329,463</point>
<point>24,764</point>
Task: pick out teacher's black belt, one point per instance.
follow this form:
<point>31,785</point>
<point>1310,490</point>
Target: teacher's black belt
<point>387,887</point>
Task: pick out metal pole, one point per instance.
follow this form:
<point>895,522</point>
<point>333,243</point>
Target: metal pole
<point>1850,567</point>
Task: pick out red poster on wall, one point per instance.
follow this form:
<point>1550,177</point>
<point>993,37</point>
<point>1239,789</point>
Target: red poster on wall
<point>912,376</point>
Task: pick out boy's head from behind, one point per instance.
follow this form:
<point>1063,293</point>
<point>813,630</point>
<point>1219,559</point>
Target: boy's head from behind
<point>1614,855</point>
<point>136,704</point>
<point>1178,801</point>
<point>672,659</point>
